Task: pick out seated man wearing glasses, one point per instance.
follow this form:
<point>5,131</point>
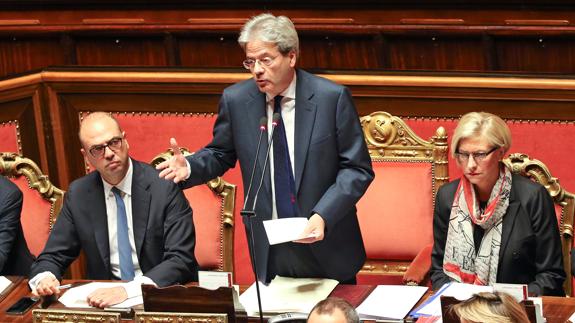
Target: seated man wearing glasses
<point>131,224</point>
<point>491,226</point>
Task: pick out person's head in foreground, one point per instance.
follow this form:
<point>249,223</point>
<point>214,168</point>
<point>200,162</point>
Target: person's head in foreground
<point>333,310</point>
<point>497,307</point>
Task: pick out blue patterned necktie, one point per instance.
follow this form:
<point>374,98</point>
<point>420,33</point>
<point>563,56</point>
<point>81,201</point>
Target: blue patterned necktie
<point>284,183</point>
<point>124,248</point>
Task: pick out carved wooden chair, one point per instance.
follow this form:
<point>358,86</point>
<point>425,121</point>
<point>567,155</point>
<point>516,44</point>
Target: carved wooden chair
<point>396,213</point>
<point>213,205</point>
<point>42,200</point>
<point>564,204</point>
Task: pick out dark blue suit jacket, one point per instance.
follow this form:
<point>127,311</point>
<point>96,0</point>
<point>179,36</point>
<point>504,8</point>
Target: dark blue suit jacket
<point>332,165</point>
<point>15,258</point>
<point>163,230</point>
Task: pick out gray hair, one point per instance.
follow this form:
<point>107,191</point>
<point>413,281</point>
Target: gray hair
<point>483,125</point>
<point>269,28</point>
<point>330,304</point>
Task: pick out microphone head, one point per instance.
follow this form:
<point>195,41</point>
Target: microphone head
<point>276,117</point>
<point>263,123</point>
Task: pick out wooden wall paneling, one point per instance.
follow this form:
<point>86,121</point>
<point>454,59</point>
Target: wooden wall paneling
<point>20,101</point>
<point>67,161</point>
<point>538,54</point>
<point>21,54</point>
<point>157,102</point>
<point>69,49</point>
<point>172,50</point>
<point>381,45</point>
<point>437,52</point>
<point>329,51</point>
<point>121,50</point>
<point>211,50</point>
<point>489,52</point>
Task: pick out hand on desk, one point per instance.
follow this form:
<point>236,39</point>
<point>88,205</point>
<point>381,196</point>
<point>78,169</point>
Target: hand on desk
<point>175,168</point>
<point>105,297</point>
<point>315,229</point>
<point>47,286</point>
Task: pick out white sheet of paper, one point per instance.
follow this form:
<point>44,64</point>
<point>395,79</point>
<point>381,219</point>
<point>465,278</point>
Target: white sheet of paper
<point>287,295</point>
<point>285,230</point>
<point>458,290</point>
<point>4,283</point>
<point>76,297</point>
<point>214,279</point>
<point>390,301</point>
<point>518,291</point>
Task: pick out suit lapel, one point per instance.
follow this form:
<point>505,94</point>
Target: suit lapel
<point>255,108</point>
<point>509,222</point>
<point>99,219</point>
<point>141,199</point>
<point>305,112</point>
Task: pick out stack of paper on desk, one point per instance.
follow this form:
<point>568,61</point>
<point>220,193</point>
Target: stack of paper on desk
<point>287,295</point>
<point>77,297</point>
<point>390,302</point>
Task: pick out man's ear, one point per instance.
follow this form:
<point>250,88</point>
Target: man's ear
<point>293,58</point>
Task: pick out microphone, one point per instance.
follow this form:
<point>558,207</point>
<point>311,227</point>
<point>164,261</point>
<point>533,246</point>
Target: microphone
<point>251,213</point>
<point>275,119</point>
<point>263,127</point>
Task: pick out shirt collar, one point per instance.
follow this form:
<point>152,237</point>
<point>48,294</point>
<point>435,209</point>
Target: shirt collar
<point>289,92</point>
<point>125,185</point>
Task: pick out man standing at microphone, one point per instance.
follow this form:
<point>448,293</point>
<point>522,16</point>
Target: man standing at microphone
<point>319,166</point>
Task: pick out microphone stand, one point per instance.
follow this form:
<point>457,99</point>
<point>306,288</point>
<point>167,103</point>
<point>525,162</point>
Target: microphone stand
<point>250,214</point>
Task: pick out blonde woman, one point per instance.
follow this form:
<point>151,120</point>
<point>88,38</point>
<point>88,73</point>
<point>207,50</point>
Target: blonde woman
<point>491,307</point>
<point>490,225</point>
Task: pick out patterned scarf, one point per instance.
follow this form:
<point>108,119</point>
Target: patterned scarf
<point>460,260</point>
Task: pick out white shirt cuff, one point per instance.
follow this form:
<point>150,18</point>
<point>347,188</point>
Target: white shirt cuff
<point>33,283</point>
<point>134,288</point>
<point>189,169</point>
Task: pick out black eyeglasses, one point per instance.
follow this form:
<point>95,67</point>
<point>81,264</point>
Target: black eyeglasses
<point>463,157</point>
<point>114,144</point>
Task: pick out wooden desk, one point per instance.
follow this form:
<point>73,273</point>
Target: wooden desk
<point>555,309</point>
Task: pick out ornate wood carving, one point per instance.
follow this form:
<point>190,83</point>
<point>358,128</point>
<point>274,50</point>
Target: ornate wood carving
<point>14,165</point>
<point>154,317</point>
<point>71,316</point>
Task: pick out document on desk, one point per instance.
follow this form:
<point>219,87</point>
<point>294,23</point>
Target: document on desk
<point>287,295</point>
<point>285,230</point>
<point>390,302</point>
<point>4,283</point>
<point>432,307</point>
<point>77,297</point>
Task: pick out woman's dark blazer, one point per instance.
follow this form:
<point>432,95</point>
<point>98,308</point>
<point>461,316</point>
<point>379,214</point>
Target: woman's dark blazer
<point>530,250</point>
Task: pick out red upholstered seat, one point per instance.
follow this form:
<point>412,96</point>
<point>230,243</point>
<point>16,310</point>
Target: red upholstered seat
<point>42,200</point>
<point>396,212</point>
<point>213,206</point>
<point>9,135</point>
